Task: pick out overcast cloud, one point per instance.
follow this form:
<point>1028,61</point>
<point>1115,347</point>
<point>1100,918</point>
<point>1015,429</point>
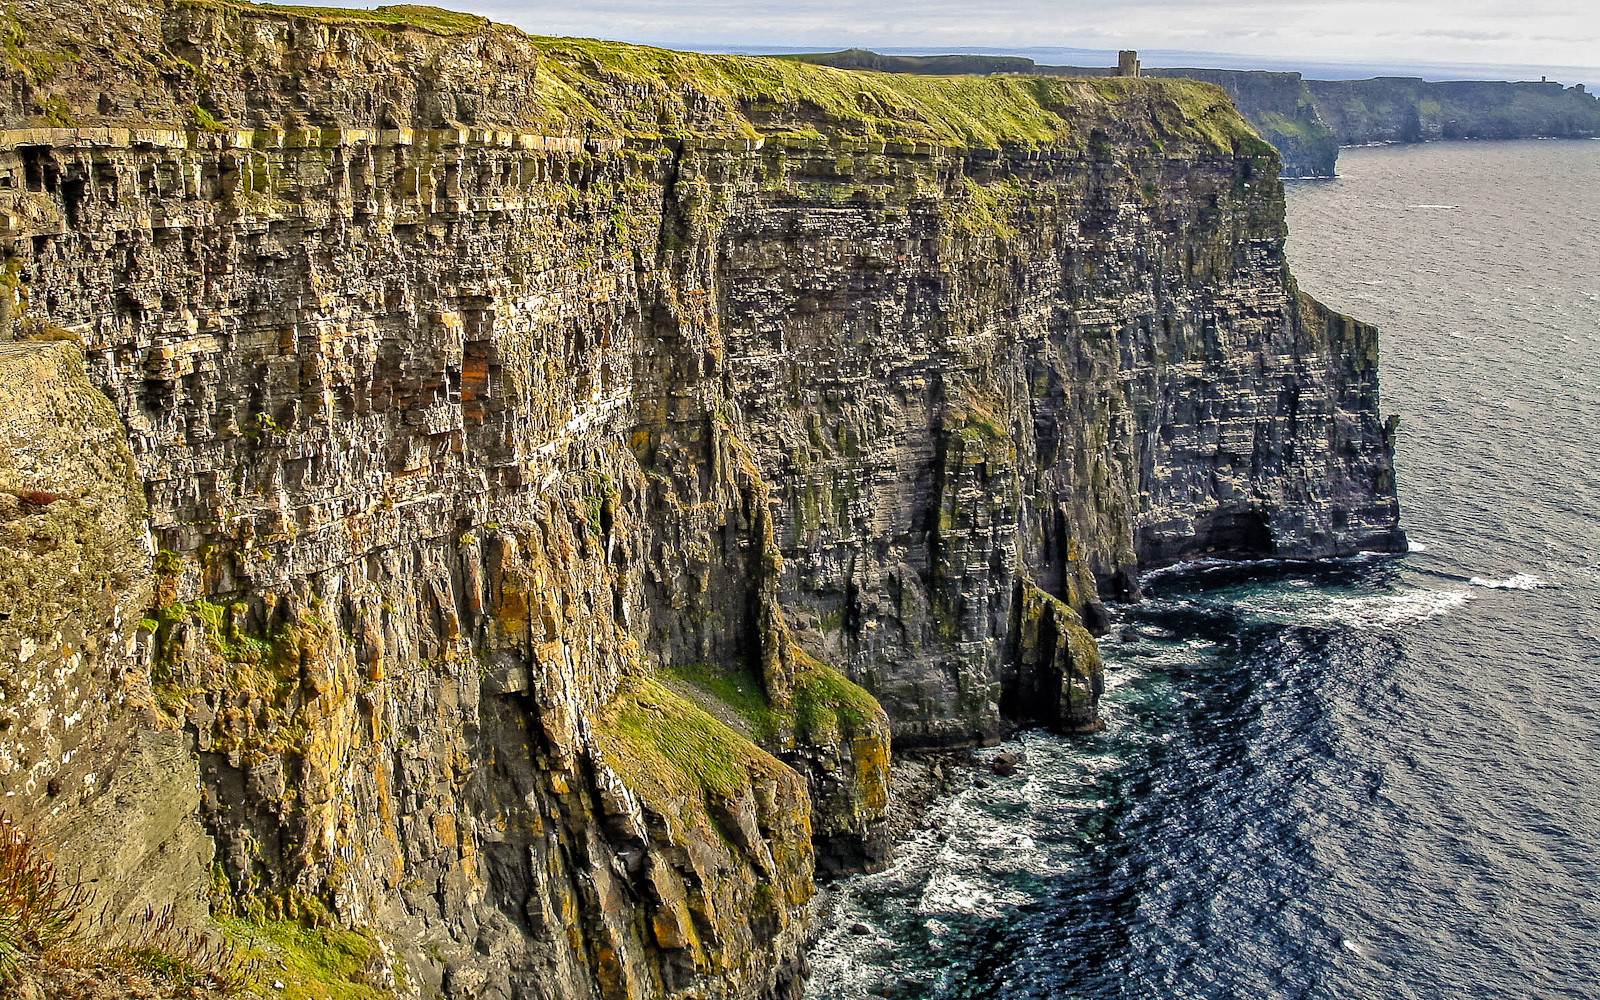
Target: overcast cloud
<point>1526,35</point>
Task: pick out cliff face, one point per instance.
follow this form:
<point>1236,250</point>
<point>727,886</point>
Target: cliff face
<point>534,435</point>
<point>1279,106</point>
<point>1308,120</point>
<point>1282,108</point>
<point>1404,109</point>
<point>1050,375</point>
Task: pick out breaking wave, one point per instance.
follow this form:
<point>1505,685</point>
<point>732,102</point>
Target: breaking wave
<point>1521,581</point>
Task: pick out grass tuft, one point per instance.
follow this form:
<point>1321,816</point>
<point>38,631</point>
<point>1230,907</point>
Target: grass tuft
<point>828,706</point>
<point>658,739</point>
<point>46,920</point>
<point>39,907</point>
<point>434,19</point>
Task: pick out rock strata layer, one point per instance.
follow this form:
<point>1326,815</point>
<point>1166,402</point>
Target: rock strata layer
<point>515,489</point>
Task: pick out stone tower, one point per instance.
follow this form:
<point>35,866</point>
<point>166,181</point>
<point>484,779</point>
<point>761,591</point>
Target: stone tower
<point>1127,63</point>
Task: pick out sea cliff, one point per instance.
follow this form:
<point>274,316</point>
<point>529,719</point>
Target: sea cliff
<point>504,495</point>
<point>1308,120</point>
<point>1406,109</point>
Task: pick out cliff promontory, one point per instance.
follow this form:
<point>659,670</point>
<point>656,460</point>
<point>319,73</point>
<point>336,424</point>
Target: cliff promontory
<point>1279,106</point>
<point>1308,120</point>
<point>501,496</point>
<point>1406,109</point>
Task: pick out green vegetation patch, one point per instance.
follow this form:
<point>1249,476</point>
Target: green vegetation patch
<point>664,744</point>
<point>825,706</point>
<point>1275,125</point>
<point>434,19</point>
<point>313,963</point>
<point>39,59</point>
<point>987,209</point>
<point>265,665</point>
<point>828,706</point>
<point>738,690</point>
<point>750,96</point>
<point>1199,112</point>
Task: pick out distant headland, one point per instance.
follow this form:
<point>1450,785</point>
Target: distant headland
<point>1308,120</point>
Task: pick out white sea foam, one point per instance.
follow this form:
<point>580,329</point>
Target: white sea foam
<point>1370,611</point>
<point>1385,611</point>
<point>1521,581</point>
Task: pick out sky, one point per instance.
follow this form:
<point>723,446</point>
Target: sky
<point>1521,39</point>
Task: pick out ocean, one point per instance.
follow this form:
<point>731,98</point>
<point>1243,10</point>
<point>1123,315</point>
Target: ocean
<point>1369,779</point>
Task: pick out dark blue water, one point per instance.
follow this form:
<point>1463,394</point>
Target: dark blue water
<point>1374,779</point>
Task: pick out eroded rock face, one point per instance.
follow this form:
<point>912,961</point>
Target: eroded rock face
<point>527,505</point>
<point>1110,370</point>
<point>82,762</point>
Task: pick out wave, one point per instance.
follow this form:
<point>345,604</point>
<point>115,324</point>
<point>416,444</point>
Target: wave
<point>1521,581</point>
<point>1200,564</point>
<point>1368,611</point>
<point>1388,611</point>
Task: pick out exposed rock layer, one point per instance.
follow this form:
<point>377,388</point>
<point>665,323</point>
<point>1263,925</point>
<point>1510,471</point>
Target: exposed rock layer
<point>528,431</point>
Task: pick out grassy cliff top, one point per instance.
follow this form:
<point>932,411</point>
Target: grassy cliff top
<point>191,63</point>
<point>434,19</point>
<point>783,96</point>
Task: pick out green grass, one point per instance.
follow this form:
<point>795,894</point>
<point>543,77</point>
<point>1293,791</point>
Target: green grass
<point>434,19</point>
<point>766,95</point>
<point>738,690</point>
<point>205,120</point>
<point>827,706</point>
<point>1199,112</point>
<point>231,643</point>
<point>313,963</point>
<point>661,742</point>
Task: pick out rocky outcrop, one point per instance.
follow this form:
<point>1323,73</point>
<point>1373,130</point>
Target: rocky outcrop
<point>1053,676</point>
<point>82,762</point>
<point>543,443</point>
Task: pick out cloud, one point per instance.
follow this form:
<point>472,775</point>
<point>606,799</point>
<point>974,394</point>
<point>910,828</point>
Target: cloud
<point>1532,33</point>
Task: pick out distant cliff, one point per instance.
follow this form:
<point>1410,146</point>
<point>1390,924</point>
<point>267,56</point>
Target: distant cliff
<point>1278,106</point>
<point>1403,109</point>
<point>1308,120</point>
<point>1282,108</point>
<point>500,495</point>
